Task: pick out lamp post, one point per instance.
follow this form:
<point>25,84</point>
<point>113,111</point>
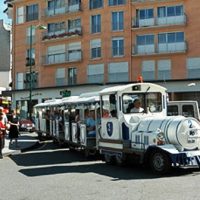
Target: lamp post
<point>30,73</point>
<point>31,62</point>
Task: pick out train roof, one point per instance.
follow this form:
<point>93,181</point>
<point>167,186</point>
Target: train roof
<point>120,88</point>
<point>48,103</point>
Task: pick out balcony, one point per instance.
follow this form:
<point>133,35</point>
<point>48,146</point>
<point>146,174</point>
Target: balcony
<point>62,10</point>
<point>62,34</point>
<point>143,49</point>
<point>159,21</point>
<point>70,56</point>
<point>165,48</point>
<point>146,1</point>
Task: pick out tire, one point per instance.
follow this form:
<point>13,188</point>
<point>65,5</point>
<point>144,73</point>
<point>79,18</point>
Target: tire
<point>160,162</point>
<point>109,159</point>
<point>120,160</point>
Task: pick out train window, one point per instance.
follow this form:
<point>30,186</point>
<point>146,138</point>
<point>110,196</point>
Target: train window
<point>141,102</point>
<point>109,103</point>
<point>154,102</point>
<point>172,110</point>
<point>131,101</point>
<point>188,110</point>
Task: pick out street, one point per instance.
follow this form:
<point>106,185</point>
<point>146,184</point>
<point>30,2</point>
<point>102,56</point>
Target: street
<point>57,173</point>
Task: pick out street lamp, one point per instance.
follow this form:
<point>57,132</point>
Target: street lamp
<point>31,62</point>
<point>30,72</point>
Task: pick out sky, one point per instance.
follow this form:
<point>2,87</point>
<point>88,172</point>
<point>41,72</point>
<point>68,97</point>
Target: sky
<point>2,14</point>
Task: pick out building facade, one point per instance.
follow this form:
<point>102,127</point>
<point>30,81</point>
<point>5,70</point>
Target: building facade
<point>86,45</point>
<point>5,66</point>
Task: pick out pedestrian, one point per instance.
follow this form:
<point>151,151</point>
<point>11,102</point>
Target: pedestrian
<point>5,119</point>
<point>2,134</point>
<point>14,129</point>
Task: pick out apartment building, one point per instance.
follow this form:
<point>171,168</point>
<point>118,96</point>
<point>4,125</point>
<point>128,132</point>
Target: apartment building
<point>89,44</point>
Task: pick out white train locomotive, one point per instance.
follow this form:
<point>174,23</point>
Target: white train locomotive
<point>128,122</point>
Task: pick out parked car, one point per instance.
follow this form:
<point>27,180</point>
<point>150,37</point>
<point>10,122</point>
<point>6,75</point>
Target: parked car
<point>26,125</point>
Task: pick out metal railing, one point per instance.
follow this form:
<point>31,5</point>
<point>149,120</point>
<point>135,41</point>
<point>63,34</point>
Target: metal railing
<point>158,49</point>
<point>72,56</point>
<point>62,34</point>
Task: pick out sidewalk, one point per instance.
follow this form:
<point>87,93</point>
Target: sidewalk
<point>25,141</point>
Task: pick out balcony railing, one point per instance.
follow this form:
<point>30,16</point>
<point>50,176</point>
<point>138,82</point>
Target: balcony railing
<point>142,1</point>
<point>159,21</point>
<point>62,34</point>
<point>62,10</point>
<point>70,56</point>
<point>178,47</point>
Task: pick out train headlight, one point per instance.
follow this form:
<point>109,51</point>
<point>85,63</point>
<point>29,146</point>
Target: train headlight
<point>160,138</point>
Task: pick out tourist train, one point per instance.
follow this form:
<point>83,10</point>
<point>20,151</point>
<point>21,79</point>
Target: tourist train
<point>105,122</point>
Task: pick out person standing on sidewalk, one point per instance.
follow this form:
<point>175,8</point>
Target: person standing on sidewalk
<point>2,134</point>
<point>14,128</point>
<point>5,119</point>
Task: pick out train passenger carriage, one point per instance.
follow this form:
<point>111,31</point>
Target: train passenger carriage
<point>76,117</point>
<point>128,122</point>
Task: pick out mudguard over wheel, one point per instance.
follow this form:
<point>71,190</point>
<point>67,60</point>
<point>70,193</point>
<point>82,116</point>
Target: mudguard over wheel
<point>160,162</point>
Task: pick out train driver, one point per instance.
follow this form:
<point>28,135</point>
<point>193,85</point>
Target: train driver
<point>136,106</point>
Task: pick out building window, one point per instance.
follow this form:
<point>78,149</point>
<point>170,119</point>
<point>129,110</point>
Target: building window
<point>118,72</point>
<point>95,48</point>
<point>95,73</point>
<point>32,12</point>
<point>31,80</point>
<point>74,2</point>
<point>148,70</point>
<point>170,11</point>
<point>171,37</point>
<point>117,21</point>
<point>193,67</point>
<point>56,28</point>
<point>74,51</point>
<point>146,13</point>
<point>30,57</point>
<point>56,54</point>
<point>74,24</point>
<point>56,7</point>
<point>30,35</point>
<point>118,46</point>
<point>145,39</point>
<point>96,4</point>
<point>20,15</point>
<point>164,69</point>
<point>96,24</point>
<point>60,77</point>
<point>19,81</point>
<point>116,2</point>
<point>72,76</point>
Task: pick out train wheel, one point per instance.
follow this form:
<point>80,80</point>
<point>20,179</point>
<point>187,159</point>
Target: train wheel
<point>160,162</point>
<point>109,159</point>
<point>120,160</point>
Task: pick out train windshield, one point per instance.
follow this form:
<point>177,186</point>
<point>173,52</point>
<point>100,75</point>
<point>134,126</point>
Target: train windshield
<point>141,102</point>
